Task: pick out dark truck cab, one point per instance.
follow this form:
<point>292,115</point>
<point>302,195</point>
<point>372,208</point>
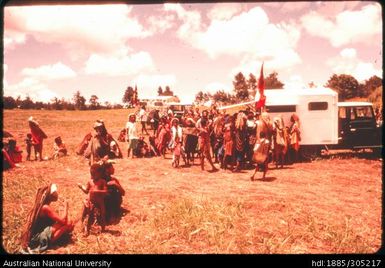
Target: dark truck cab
<point>357,127</point>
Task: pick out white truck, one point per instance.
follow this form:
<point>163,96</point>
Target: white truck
<point>325,123</point>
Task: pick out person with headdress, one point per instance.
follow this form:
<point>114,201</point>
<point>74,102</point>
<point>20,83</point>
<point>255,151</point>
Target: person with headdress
<point>240,139</point>
<point>217,134</point>
<point>44,227</point>
<point>38,136</point>
<point>176,141</point>
<point>164,135</point>
<point>204,143</point>
<point>190,139</point>
<point>295,134</point>
<point>251,127</point>
<point>228,142</point>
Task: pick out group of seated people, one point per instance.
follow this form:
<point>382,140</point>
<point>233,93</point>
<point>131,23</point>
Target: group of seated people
<point>45,227</point>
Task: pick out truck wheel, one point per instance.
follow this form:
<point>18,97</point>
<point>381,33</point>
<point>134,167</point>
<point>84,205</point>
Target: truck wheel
<point>377,152</point>
<point>310,153</point>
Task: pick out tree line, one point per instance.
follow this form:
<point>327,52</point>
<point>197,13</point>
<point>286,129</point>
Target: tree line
<point>244,89</point>
<point>78,102</point>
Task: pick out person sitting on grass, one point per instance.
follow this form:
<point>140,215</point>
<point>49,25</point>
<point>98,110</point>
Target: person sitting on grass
<point>114,197</point>
<point>14,151</point>
<point>96,188</point>
<point>59,148</point>
<point>44,226</point>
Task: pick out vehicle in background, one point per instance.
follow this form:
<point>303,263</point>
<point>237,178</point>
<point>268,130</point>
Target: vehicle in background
<point>325,123</point>
<point>179,108</point>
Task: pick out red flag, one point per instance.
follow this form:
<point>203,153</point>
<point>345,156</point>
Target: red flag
<point>261,87</point>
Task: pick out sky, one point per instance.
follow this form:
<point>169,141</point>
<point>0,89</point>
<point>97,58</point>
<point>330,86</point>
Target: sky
<point>54,51</point>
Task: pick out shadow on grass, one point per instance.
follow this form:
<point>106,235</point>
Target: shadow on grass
<point>267,179</point>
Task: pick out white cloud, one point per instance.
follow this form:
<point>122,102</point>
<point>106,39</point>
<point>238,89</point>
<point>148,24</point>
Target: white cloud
<point>31,87</point>
<point>348,53</point>
<point>119,64</point>
<point>216,86</point>
<point>148,84</point>
<point>160,24</point>
<point>80,28</point>
<point>224,11</point>
<point>294,82</point>
<point>348,27</point>
<point>248,35</point>
<point>49,72</point>
<point>192,21</point>
<point>348,63</point>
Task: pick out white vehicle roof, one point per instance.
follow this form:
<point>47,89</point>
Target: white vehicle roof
<point>354,103</point>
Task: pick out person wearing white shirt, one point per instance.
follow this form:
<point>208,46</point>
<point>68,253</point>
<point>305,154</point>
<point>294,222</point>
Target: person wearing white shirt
<point>143,119</point>
<point>132,135</point>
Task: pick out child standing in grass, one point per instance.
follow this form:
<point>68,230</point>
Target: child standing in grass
<point>96,189</point>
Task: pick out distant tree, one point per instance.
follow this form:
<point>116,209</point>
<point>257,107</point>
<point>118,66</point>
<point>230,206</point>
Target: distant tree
<point>370,85</point>
<point>56,104</point>
<point>128,94</point>
<point>9,103</point>
<point>117,106</point>
<point>222,96</point>
<point>199,97</point>
<point>27,103</point>
<point>160,91</point>
<point>94,104</point>
<point>168,92</point>
<point>107,105</point>
<point>241,87</point>
<point>312,85</point>
<point>18,101</point>
<point>252,85</point>
<point>346,86</point>
<point>376,97</point>
<point>79,101</point>
<point>272,82</point>
<point>39,105</point>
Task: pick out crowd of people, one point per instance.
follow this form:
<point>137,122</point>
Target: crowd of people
<point>215,136</point>
<point>243,140</point>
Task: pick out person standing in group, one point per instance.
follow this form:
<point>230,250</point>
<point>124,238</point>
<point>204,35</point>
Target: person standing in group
<point>204,144</point>
<point>143,119</point>
<point>295,135</point>
<point>132,134</point>
<point>38,136</point>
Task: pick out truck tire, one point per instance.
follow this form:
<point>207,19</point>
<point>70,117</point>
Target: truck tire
<point>310,152</point>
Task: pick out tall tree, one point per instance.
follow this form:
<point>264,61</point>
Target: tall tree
<point>168,92</point>
<point>9,103</point>
<point>241,87</point>
<point>252,84</point>
<point>160,91</point>
<point>370,85</point>
<point>272,82</point>
<point>128,94</point>
<point>79,101</point>
<point>27,103</point>
<point>199,97</point>
<point>94,104</point>
<point>346,86</point>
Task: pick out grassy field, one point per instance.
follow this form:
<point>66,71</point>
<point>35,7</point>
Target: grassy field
<point>332,205</point>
